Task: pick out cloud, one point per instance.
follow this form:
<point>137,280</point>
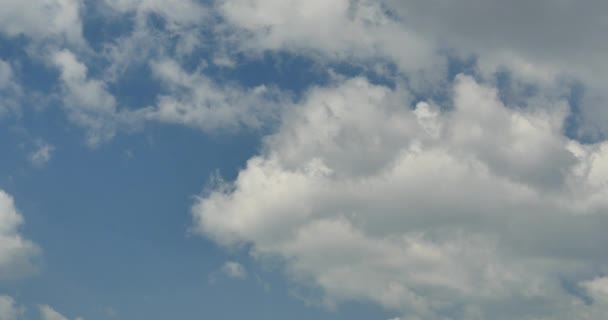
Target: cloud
<point>48,313</point>
<point>16,252</point>
<point>549,47</point>
<point>340,30</point>
<point>42,155</point>
<point>87,102</point>
<point>195,100</point>
<point>10,90</point>
<point>9,309</point>
<point>180,33</point>
<point>550,42</point>
<point>42,19</point>
<point>192,99</point>
<point>478,211</point>
<point>175,12</point>
<point>234,270</point>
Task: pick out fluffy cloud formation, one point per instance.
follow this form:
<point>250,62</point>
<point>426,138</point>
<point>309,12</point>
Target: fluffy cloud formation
<point>475,212</point>
<point>42,19</point>
<point>16,253</point>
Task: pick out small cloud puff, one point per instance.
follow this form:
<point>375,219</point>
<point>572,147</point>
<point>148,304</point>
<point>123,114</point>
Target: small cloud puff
<point>42,155</point>
<point>234,270</point>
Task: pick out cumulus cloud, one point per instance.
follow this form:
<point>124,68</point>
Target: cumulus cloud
<point>478,211</point>
<point>16,252</point>
<point>42,19</point>
<point>234,270</point>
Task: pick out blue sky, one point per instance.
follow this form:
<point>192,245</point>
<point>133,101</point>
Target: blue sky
<point>269,159</point>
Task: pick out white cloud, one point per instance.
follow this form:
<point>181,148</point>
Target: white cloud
<point>42,19</point>
<point>16,252</point>
<point>234,270</point>
<point>472,213</point>
<point>548,46</point>
<point>48,313</point>
<point>341,30</point>
<point>42,155</point>
<point>87,101</point>
<point>539,41</point>
<point>9,309</point>
<point>195,100</point>
<point>176,13</point>
<point>180,35</point>
<point>191,99</point>
<point>6,74</point>
<point>10,90</point>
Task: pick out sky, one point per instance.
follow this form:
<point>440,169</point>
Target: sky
<point>273,159</point>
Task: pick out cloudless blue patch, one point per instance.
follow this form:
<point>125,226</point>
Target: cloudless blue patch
<point>136,88</point>
<point>101,26</point>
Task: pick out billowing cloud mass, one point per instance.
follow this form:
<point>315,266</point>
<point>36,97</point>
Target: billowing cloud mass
<point>482,211</point>
<point>16,252</point>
